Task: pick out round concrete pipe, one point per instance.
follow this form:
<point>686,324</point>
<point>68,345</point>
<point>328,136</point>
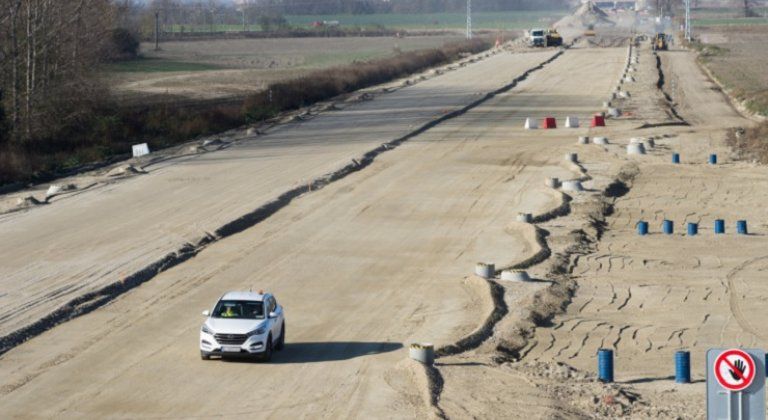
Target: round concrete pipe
<point>524,217</point>
<point>423,353</point>
<point>600,140</point>
<point>614,112</point>
<point>485,270</point>
<point>636,149</point>
<point>583,140</point>
<point>572,157</point>
<point>515,275</point>
<point>552,182</point>
<point>607,104</point>
<point>650,143</point>
<point>572,186</point>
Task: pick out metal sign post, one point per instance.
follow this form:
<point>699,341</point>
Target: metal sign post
<point>735,374</point>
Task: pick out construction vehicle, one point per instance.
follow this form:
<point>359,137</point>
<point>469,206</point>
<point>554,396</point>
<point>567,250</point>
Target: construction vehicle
<point>660,42</point>
<point>553,39</point>
<point>536,38</point>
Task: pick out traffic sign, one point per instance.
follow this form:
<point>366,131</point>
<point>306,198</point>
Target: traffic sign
<point>735,384</point>
<point>734,369</point>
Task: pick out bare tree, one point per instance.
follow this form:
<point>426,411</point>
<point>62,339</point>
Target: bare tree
<point>49,48</point>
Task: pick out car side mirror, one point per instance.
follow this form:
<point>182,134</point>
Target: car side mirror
<point>206,313</point>
<point>273,314</point>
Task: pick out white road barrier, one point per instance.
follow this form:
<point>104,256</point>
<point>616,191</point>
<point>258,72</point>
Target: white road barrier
<point>571,122</point>
<point>531,124</point>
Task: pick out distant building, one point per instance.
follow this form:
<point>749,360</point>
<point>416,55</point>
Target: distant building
<point>611,5</point>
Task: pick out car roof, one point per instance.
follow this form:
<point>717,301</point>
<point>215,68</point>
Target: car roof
<point>258,297</point>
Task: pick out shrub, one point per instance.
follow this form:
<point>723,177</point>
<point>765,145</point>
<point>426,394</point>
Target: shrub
<point>123,45</point>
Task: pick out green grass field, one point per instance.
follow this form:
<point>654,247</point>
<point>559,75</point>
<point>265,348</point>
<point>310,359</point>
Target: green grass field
<point>441,21</point>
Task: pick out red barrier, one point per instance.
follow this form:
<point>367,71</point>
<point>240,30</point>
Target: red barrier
<point>549,122</point>
<point>598,121</point>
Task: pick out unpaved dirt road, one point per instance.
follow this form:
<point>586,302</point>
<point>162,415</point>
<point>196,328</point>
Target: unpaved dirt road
<point>363,266</point>
<point>53,253</point>
<point>383,258</point>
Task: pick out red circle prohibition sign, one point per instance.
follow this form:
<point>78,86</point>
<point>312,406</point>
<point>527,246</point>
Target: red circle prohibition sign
<point>734,369</point>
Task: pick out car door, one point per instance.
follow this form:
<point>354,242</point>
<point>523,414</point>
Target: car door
<point>277,322</point>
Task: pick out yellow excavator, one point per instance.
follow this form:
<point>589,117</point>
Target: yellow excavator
<point>553,38</point>
<point>660,42</point>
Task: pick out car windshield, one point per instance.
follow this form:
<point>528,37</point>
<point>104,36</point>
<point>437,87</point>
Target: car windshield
<point>538,33</point>
<point>239,309</point>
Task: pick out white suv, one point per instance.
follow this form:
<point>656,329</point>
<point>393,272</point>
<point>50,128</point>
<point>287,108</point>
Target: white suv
<point>243,324</point>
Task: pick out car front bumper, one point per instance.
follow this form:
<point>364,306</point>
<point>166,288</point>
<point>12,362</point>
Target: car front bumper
<point>256,344</point>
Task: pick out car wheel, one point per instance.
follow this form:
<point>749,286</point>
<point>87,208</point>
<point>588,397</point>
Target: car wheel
<point>267,356</point>
<point>204,355</point>
<point>281,341</point>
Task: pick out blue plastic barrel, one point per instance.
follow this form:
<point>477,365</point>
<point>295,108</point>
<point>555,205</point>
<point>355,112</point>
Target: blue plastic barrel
<point>668,227</point>
<point>713,159</point>
<point>719,226</point>
<point>683,367</point>
<point>693,229</point>
<point>642,228</point>
<point>675,157</point>
<point>741,227</point>
<point>605,365</point>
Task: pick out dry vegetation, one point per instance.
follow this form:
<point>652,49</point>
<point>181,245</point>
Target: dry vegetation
<point>108,129</point>
<point>738,57</point>
<point>219,68</point>
<point>750,143</point>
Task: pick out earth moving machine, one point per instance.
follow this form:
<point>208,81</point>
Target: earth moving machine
<point>660,42</point>
<point>553,38</point>
<point>544,38</point>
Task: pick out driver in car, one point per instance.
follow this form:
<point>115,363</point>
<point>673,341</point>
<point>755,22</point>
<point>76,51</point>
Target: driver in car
<point>229,312</point>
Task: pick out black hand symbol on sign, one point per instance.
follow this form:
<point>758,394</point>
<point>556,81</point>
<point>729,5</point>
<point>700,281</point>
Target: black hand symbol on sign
<point>739,364</point>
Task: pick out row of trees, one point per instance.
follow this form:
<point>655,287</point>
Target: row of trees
<point>47,51</point>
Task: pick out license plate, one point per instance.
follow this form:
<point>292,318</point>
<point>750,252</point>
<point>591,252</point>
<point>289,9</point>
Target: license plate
<point>231,349</point>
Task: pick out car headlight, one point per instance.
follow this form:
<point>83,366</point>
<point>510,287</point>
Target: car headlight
<point>258,331</point>
<point>207,330</point>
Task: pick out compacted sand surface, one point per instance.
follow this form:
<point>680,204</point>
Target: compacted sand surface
<point>383,257</point>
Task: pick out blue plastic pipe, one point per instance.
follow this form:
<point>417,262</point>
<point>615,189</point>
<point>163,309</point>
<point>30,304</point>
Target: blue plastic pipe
<point>675,157</point>
<point>668,227</point>
<point>719,226</point>
<point>693,229</point>
<point>683,367</point>
<point>605,365</point>
<point>642,228</point>
<point>713,159</point>
<point>741,227</point>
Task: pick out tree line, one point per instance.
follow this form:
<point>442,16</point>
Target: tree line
<point>48,49</point>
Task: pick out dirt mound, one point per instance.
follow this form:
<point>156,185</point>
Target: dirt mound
<point>588,14</point>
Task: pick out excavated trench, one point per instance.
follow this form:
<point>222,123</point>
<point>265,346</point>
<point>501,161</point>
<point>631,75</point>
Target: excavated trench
<point>91,301</point>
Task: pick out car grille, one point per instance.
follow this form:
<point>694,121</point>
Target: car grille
<point>231,339</point>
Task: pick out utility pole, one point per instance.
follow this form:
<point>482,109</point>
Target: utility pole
<point>157,30</point>
<point>688,34</point>
<point>469,19</point>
